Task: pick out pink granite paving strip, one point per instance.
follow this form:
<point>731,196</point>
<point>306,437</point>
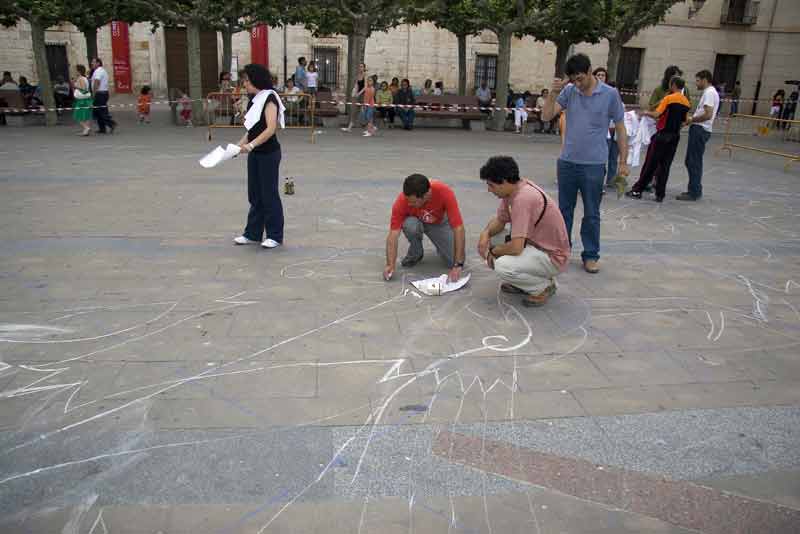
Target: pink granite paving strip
<point>680,503</point>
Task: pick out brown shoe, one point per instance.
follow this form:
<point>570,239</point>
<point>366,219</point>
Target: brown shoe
<point>591,266</point>
<point>537,301</point>
<point>505,287</point>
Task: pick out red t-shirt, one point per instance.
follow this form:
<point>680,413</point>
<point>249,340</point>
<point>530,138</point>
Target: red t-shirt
<point>442,202</point>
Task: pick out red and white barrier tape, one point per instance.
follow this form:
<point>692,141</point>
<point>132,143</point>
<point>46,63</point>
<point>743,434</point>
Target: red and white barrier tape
<point>435,106</point>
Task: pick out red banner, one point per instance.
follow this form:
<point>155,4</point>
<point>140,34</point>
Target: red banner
<point>259,45</point>
<point>121,55</point>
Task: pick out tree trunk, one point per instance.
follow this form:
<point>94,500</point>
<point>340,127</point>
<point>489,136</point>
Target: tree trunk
<point>227,46</point>
<point>43,71</point>
<point>90,34</point>
<point>195,71</point>
<point>462,64</point>
<point>614,50</point>
<point>357,44</point>
<point>503,71</point>
<point>562,49</point>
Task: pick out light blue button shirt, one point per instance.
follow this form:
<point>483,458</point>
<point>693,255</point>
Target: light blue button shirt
<point>587,122</point>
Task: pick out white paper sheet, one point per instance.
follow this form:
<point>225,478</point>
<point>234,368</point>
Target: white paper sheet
<point>219,154</point>
<point>439,285</point>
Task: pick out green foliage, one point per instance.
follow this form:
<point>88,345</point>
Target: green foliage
<point>626,18</point>
<point>459,17</point>
<point>566,22</point>
<point>46,12</point>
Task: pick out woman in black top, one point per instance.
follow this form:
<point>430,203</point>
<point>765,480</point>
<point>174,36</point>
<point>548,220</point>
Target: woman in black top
<point>263,163</point>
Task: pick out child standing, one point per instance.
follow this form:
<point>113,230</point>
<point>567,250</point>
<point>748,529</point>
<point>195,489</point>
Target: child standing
<point>186,109</point>
<point>369,107</point>
<point>311,78</point>
<point>143,104</point>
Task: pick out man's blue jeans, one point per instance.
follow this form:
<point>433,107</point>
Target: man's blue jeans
<point>588,179</point>
<point>698,137</point>
<point>407,116</point>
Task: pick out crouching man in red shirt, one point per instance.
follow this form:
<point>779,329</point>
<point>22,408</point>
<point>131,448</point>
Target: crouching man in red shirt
<point>538,247</point>
<point>426,207</point>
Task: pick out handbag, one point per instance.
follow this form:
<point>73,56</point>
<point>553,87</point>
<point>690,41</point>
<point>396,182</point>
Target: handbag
<point>81,95</point>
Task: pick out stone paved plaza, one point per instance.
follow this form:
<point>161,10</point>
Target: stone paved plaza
<point>156,379</point>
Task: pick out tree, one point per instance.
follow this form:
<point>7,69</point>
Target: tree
<point>356,19</point>
<point>506,18</point>
<point>91,15</point>
<point>569,22</point>
<point>40,14</point>
<point>627,18</point>
<point>241,15</point>
<point>461,18</point>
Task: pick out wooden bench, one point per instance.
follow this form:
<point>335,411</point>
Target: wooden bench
<point>15,101</point>
<point>325,108</point>
<point>450,107</point>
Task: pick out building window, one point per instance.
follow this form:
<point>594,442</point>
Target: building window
<point>486,70</point>
<point>628,68</point>
<point>739,11</point>
<point>327,59</point>
<point>726,72</point>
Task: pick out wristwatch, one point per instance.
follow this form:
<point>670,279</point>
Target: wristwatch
<point>458,264</point>
<point>251,146</point>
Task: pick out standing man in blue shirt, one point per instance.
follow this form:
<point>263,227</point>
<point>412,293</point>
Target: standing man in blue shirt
<point>589,105</point>
<point>300,74</point>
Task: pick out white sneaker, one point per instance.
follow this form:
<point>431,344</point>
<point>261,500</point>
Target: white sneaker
<point>242,240</point>
<point>270,243</point>
<point>367,134</point>
<point>346,129</point>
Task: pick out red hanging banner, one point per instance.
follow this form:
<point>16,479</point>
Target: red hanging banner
<point>259,45</point>
<point>121,56</point>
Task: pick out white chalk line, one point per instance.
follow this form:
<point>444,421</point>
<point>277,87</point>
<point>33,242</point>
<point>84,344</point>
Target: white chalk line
<point>105,456</point>
<point>238,360</point>
<point>94,338</point>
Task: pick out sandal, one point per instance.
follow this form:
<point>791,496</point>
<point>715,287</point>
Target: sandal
<point>514,290</point>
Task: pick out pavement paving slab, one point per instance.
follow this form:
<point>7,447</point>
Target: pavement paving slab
<point>155,378</point>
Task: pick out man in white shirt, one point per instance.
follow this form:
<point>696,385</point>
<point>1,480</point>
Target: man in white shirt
<point>699,132</point>
<point>100,92</point>
<point>484,95</point>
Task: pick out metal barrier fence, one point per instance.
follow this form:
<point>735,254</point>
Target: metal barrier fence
<point>766,135</point>
<point>227,110</point>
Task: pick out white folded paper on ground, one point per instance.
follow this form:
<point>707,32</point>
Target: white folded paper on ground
<point>439,285</point>
<point>219,154</point>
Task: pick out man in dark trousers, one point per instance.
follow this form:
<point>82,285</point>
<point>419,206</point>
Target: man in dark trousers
<point>100,92</point>
<point>671,115</point>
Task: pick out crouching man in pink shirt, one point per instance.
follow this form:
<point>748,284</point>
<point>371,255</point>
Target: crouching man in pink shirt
<point>538,247</point>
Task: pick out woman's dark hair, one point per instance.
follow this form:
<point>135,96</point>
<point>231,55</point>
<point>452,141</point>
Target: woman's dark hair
<point>222,75</point>
<point>678,82</point>
<point>81,69</point>
<point>577,64</point>
<point>395,80</point>
<point>416,185</point>
<point>405,81</point>
<point>258,75</point>
<point>501,169</point>
<point>669,72</point>
<point>23,79</point>
<point>428,82</point>
<point>145,90</point>
<point>600,69</point>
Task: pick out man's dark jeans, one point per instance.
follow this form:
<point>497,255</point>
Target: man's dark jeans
<point>101,114</point>
<point>698,137</point>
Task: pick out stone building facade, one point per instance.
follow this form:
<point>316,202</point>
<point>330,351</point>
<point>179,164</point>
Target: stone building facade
<point>743,40</point>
